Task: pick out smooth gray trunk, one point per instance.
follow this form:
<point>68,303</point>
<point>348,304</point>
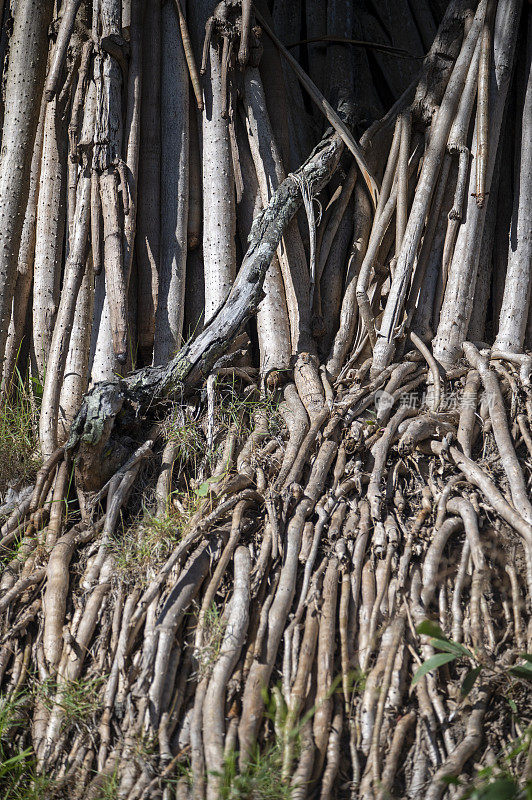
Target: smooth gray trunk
<point>24,87</point>
<point>174,189</point>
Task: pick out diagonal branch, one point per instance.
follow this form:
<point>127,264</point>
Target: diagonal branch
<point>92,428</point>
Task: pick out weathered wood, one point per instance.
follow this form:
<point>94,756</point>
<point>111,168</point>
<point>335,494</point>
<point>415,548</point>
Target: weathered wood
<point>391,319</point>
<point>147,244</point>
<point>517,289</point>
<point>24,82</point>
<point>460,292</point>
<point>174,190</point>
<point>132,396</point>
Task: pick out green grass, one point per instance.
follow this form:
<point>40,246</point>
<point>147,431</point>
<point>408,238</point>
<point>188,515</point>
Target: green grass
<point>109,789</point>
<point>150,539</point>
<point>19,460</point>
<point>261,780</point>
<point>238,408</point>
<point>18,768</point>
<point>80,699</point>
<point>19,776</point>
<point>213,634</point>
<point>502,780</point>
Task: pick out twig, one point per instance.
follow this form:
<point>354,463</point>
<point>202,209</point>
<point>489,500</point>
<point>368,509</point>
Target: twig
<point>328,110</point>
<point>384,48</point>
<point>189,55</point>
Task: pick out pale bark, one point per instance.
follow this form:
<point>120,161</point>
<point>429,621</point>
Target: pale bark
<point>273,326</point>
<point>102,361</point>
<point>457,144</point>
<point>484,65</point>
<point>348,312</point>
<point>66,26</point>
<point>218,205</point>
<point>233,641</point>
<point>26,256</point>
<point>49,236</point>
<point>379,230</point>
<point>103,364</point>
<point>74,269</point>
<point>126,18</point>
<point>439,61</point>
<point>384,346</point>
<point>75,376</point>
<point>108,146</point>
<point>219,222</point>
<point>514,312</point>
<point>24,83</point>
<point>174,189</point>
<point>113,249</point>
<point>291,254</point>
<point>459,296</point>
<point>111,17</point>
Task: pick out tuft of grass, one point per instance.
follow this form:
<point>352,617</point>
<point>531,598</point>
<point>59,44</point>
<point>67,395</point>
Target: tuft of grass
<point>80,699</point>
<point>502,780</point>
<point>213,634</point>
<point>261,779</point>
<point>18,767</point>
<point>150,539</point>
<point>19,460</point>
<point>185,431</point>
<point>109,788</point>
<point>237,408</point>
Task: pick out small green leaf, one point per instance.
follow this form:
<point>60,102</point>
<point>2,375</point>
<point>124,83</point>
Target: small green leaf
<point>429,628</point>
<point>486,772</point>
<point>469,681</point>
<point>204,488</point>
<point>512,705</point>
<point>523,671</point>
<point>500,789</point>
<point>451,780</point>
<point>451,647</point>
<point>526,656</point>
<point>432,663</point>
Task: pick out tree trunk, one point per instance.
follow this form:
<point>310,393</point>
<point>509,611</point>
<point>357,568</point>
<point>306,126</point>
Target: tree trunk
<point>174,190</point>
<point>517,288</point>
<point>49,237</point>
<point>460,292</point>
<point>148,215</point>
<point>24,83</point>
